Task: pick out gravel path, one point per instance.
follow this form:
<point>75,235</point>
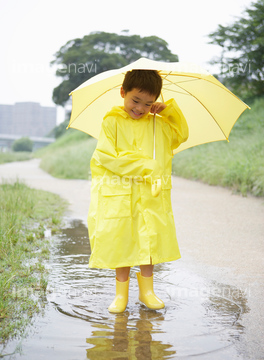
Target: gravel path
<point>221,235</point>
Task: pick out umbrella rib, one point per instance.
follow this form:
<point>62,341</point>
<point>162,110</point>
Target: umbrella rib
<point>162,98</point>
<point>166,75</point>
<point>199,78</point>
<point>95,100</point>
<point>175,91</point>
<point>180,82</point>
<point>206,110</point>
<point>183,75</point>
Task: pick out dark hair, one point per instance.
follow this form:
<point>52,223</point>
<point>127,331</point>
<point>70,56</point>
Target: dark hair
<point>144,80</point>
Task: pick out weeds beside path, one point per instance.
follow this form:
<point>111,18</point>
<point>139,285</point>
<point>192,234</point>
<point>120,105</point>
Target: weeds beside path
<point>8,156</point>
<point>25,215</point>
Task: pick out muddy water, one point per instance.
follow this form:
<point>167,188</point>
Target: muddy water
<point>201,319</point>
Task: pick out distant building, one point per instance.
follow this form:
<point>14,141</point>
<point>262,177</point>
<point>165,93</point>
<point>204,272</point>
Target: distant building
<point>27,119</point>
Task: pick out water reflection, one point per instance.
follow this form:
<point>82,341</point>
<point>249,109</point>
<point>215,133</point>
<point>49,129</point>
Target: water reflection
<point>129,340</point>
<point>201,318</point>
<point>73,240</point>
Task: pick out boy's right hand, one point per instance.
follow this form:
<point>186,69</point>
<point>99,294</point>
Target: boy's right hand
<point>157,107</point>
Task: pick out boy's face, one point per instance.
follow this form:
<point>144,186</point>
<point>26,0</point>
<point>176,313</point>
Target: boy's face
<point>136,103</point>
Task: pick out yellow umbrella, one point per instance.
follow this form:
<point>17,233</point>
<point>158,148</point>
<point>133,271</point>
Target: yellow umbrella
<point>210,109</point>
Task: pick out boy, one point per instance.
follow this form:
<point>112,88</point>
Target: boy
<point>127,225</point>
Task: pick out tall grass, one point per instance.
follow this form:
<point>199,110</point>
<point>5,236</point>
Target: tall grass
<point>70,159</point>
<point>71,137</point>
<point>238,164</point>
<point>25,214</point>
<point>11,156</point>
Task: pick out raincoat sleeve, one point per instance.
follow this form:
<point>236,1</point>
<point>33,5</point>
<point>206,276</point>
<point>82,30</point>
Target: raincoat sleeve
<point>173,115</point>
<point>130,163</point>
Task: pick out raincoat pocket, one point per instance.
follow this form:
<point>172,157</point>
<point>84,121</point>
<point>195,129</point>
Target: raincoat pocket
<point>116,201</point>
<point>166,195</point>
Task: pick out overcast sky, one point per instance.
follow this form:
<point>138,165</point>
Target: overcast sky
<point>32,31</point>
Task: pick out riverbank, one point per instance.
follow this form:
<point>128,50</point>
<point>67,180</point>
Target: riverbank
<point>220,236</point>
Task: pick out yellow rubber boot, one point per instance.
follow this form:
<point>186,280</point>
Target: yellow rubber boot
<point>146,293</point>
<point>120,301</point>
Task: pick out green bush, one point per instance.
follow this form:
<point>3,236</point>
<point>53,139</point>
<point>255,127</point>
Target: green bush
<point>23,144</point>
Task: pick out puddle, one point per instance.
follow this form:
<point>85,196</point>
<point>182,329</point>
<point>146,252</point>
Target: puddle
<point>201,318</point>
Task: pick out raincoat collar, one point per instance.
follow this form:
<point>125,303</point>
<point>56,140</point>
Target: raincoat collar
<point>119,110</point>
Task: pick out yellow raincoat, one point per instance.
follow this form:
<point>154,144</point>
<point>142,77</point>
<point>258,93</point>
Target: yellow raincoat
<point>127,225</point>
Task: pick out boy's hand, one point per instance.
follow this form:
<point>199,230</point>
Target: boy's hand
<point>157,107</point>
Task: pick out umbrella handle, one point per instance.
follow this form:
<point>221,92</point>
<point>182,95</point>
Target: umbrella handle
<point>156,187</point>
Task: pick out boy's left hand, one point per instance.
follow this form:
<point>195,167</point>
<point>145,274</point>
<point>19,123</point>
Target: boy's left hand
<point>157,107</point>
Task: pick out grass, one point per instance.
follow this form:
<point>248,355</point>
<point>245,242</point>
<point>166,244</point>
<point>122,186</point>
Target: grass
<point>69,156</point>
<point>238,165</point>
<point>25,215</point>
<point>14,156</point>
<point>70,137</point>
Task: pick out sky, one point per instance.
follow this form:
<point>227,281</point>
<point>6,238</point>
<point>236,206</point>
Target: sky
<point>32,31</point>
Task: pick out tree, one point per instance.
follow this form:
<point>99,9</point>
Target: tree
<point>80,59</point>
<point>242,60</point>
<point>22,144</point>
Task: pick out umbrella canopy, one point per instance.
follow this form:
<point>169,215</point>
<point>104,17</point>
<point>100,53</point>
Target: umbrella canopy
<point>210,109</point>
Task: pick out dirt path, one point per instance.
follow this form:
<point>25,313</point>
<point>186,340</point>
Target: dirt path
<point>221,236</point>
